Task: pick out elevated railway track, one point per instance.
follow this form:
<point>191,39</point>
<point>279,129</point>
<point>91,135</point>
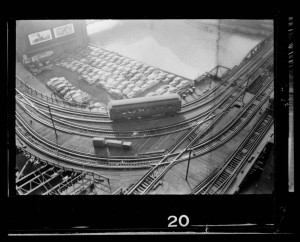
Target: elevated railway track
<point>90,117</point>
<point>91,131</point>
<point>219,181</point>
<point>155,173</point>
<point>74,120</point>
<point>28,135</point>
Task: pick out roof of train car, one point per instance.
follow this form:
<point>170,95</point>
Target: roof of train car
<point>143,99</point>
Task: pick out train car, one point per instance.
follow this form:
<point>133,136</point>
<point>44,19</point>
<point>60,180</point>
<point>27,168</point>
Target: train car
<point>144,107</point>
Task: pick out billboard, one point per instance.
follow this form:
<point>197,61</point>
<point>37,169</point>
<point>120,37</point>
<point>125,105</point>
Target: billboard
<point>40,37</point>
<point>63,30</point>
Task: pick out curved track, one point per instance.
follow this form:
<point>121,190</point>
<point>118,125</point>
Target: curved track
<point>220,180</point>
<point>28,135</point>
<point>85,123</point>
<point>212,95</point>
<point>156,173</point>
<point>67,126</point>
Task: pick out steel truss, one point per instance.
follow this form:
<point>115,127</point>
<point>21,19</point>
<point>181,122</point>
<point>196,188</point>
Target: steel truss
<point>58,180</point>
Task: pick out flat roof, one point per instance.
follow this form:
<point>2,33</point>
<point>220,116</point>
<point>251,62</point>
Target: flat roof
<point>143,99</point>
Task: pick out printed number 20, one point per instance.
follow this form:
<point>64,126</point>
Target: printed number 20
<point>171,224</point>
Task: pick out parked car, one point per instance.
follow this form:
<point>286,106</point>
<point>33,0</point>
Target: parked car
<point>80,70</point>
<point>152,76</point>
<point>127,90</point>
<point>60,87</point>
<point>121,87</point>
<point>69,94</point>
<point>150,94</point>
<point>131,85</point>
<point>115,93</point>
<point>175,81</point>
<point>184,84</point>
<point>172,90</point>
<point>52,81</point>
<point>59,82</point>
<point>67,89</point>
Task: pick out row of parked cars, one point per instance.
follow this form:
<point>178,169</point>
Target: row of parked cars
<point>119,75</point>
<point>176,86</point>
<point>67,91</point>
<point>72,94</point>
<point>96,107</point>
<point>38,67</point>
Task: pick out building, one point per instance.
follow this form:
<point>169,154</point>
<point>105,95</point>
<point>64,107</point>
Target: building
<point>36,38</point>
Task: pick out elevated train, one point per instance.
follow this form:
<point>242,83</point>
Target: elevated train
<point>144,107</point>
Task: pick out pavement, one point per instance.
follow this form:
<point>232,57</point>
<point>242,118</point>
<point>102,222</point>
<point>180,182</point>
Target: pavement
<point>31,80</point>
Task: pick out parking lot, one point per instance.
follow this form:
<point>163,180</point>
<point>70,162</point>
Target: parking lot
<point>93,76</point>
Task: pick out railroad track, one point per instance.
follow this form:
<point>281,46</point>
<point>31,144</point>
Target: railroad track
<point>28,136</point>
<point>120,163</point>
<point>221,180</point>
<point>160,169</point>
<point>74,112</point>
<point>97,118</point>
<point>69,127</point>
<point>236,72</point>
<point>55,103</point>
<point>155,174</point>
<point>206,124</point>
<point>73,157</point>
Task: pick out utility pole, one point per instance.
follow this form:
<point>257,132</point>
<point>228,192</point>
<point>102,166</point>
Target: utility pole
<point>245,90</point>
<point>187,170</point>
<point>53,127</point>
<point>71,96</point>
<point>54,96</point>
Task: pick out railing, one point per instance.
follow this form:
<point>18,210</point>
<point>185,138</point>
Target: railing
<point>21,85</point>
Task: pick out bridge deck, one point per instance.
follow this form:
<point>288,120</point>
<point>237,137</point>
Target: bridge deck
<point>174,180</point>
<point>84,144</point>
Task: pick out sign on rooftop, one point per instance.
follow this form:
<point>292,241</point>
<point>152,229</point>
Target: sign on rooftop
<point>63,30</point>
<point>40,37</point>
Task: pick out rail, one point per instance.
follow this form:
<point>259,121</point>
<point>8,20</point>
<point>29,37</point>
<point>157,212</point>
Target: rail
<point>21,85</point>
<point>70,127</point>
<point>219,182</point>
<point>76,107</point>
<point>155,173</point>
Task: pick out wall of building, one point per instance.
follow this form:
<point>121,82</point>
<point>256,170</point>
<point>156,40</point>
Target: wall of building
<point>24,28</point>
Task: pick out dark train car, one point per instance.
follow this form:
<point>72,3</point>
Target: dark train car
<point>144,107</point>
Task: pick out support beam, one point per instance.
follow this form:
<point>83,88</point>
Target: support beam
<point>58,186</point>
<point>33,181</point>
<point>22,170</point>
<point>85,184</point>
<point>32,173</point>
<point>79,176</point>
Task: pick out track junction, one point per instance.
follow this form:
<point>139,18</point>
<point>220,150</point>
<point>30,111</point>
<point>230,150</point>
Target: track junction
<point>240,95</point>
